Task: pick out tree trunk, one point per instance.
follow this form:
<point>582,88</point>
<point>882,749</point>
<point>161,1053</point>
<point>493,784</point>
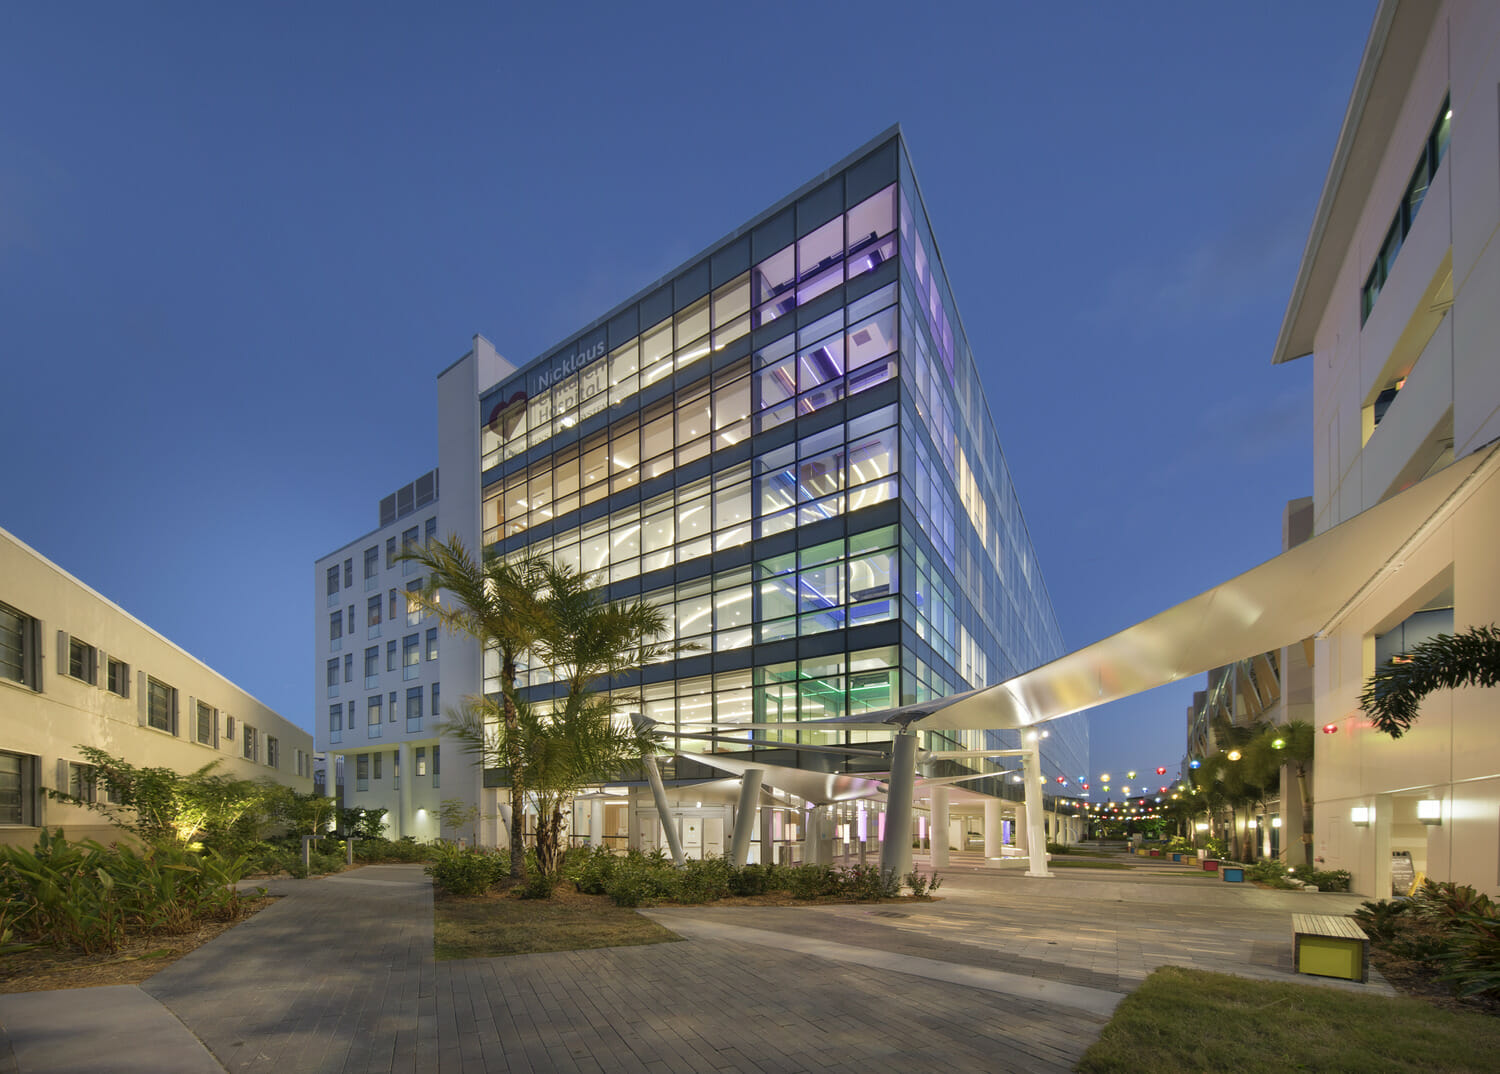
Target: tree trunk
<point>513,762</point>
<point>1307,828</point>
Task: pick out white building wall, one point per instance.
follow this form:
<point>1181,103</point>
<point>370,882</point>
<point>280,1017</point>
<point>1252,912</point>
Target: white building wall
<point>413,803</point>
<point>48,719</point>
<point>1451,355</point>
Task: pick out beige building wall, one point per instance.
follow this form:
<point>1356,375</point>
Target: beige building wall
<point>1435,329</point>
<point>65,626</point>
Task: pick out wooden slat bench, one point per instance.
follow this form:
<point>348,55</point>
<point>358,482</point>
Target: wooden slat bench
<point>1328,946</point>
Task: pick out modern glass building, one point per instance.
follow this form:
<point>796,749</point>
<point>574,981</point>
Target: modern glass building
<point>784,444</point>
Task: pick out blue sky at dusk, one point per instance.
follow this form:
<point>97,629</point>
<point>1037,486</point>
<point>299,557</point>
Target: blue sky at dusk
<point>238,244</point>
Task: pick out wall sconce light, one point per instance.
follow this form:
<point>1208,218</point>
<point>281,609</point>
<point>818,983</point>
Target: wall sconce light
<point>1430,811</point>
<point>1330,728</point>
<point>1361,816</point>
<point>1276,822</point>
<point>1201,826</point>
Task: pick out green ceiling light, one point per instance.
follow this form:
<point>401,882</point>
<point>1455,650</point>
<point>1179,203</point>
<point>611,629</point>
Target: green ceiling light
<point>1278,743</point>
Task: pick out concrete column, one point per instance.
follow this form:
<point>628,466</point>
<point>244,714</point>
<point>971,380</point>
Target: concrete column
<point>812,821</point>
<point>404,824</point>
<point>502,820</point>
<point>992,830</point>
<point>767,830</point>
<point>895,851</point>
<point>744,815</point>
<point>596,822</point>
<point>331,786</point>
<point>1036,839</point>
<point>940,827</point>
<point>1019,827</point>
<point>664,811</point>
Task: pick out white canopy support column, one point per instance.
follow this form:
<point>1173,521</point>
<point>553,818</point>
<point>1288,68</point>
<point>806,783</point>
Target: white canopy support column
<point>895,850</point>
<point>668,822</point>
<point>596,822</point>
<point>940,828</point>
<point>1036,838</point>
<point>993,831</point>
<point>744,815</point>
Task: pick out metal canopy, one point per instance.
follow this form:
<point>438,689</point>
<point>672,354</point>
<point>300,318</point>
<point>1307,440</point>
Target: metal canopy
<point>1301,593</point>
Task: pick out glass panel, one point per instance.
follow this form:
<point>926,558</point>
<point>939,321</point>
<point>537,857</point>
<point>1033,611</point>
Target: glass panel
<point>594,546</point>
<point>820,250</point>
<point>774,275</point>
<point>872,218</point>
<point>691,324</point>
<point>656,351</point>
<point>820,363</point>
<point>693,413</point>
<point>731,301</point>
<point>776,383</point>
<point>872,338</point>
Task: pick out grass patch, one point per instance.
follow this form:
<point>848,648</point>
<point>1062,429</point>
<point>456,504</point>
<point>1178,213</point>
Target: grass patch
<point>1058,864</point>
<point>497,924</point>
<point>1190,1020</point>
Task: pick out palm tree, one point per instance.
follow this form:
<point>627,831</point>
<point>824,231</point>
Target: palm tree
<point>1298,742</point>
<point>553,752</point>
<point>1394,692</point>
<point>500,604</point>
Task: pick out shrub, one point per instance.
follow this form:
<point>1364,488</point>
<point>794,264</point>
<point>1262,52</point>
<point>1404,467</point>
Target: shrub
<point>404,850</point>
<point>641,879</point>
<point>1323,879</point>
<point>1382,919</point>
<point>90,897</point>
<point>921,885</point>
<point>703,880</point>
<point>868,882</point>
<point>754,879</point>
<point>809,881</point>
<point>466,872</point>
<point>590,869</point>
<point>1059,848</point>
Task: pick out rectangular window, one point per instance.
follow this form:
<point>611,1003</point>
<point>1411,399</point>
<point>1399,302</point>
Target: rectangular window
<point>333,677</point>
<point>336,723</point>
<point>372,667</point>
<point>421,759</point>
<point>390,552</point>
<point>348,572</point>
<point>83,782</point>
<point>372,617</point>
<point>413,708</point>
<point>378,758</point>
<point>333,585</point>
<point>17,647</point>
<point>374,715</point>
<point>432,643</point>
<point>430,531</point>
<point>394,695</point>
<point>409,541</point>
<point>161,706</point>
<point>362,772</point>
<point>17,788</point>
<point>413,607</point>
<point>250,742</point>
<point>436,768</point>
<point>348,667</point>
<point>273,751</point>
<point>336,631</point>
<point>392,657</point>
<point>372,568</point>
<point>206,724</point>
<point>391,615</point>
<point>436,707</point>
<point>117,677</point>
<point>229,730</point>
<point>83,661</point>
<point>411,656</point>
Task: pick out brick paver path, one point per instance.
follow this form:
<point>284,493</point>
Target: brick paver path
<point>1005,973</point>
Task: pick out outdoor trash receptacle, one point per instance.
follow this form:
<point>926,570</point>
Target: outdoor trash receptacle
<point>1210,865</point>
<point>1232,875</point>
<point>1156,853</point>
<point>1176,857</point>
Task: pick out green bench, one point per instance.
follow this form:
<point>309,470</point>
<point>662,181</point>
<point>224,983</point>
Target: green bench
<point>1328,946</point>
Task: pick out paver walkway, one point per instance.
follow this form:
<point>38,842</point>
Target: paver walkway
<point>1005,973</point>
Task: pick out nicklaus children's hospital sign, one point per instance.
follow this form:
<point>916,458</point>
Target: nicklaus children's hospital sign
<point>506,412</point>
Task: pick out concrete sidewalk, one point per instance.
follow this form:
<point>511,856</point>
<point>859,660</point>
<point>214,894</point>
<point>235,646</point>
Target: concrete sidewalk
<point>1005,973</point>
